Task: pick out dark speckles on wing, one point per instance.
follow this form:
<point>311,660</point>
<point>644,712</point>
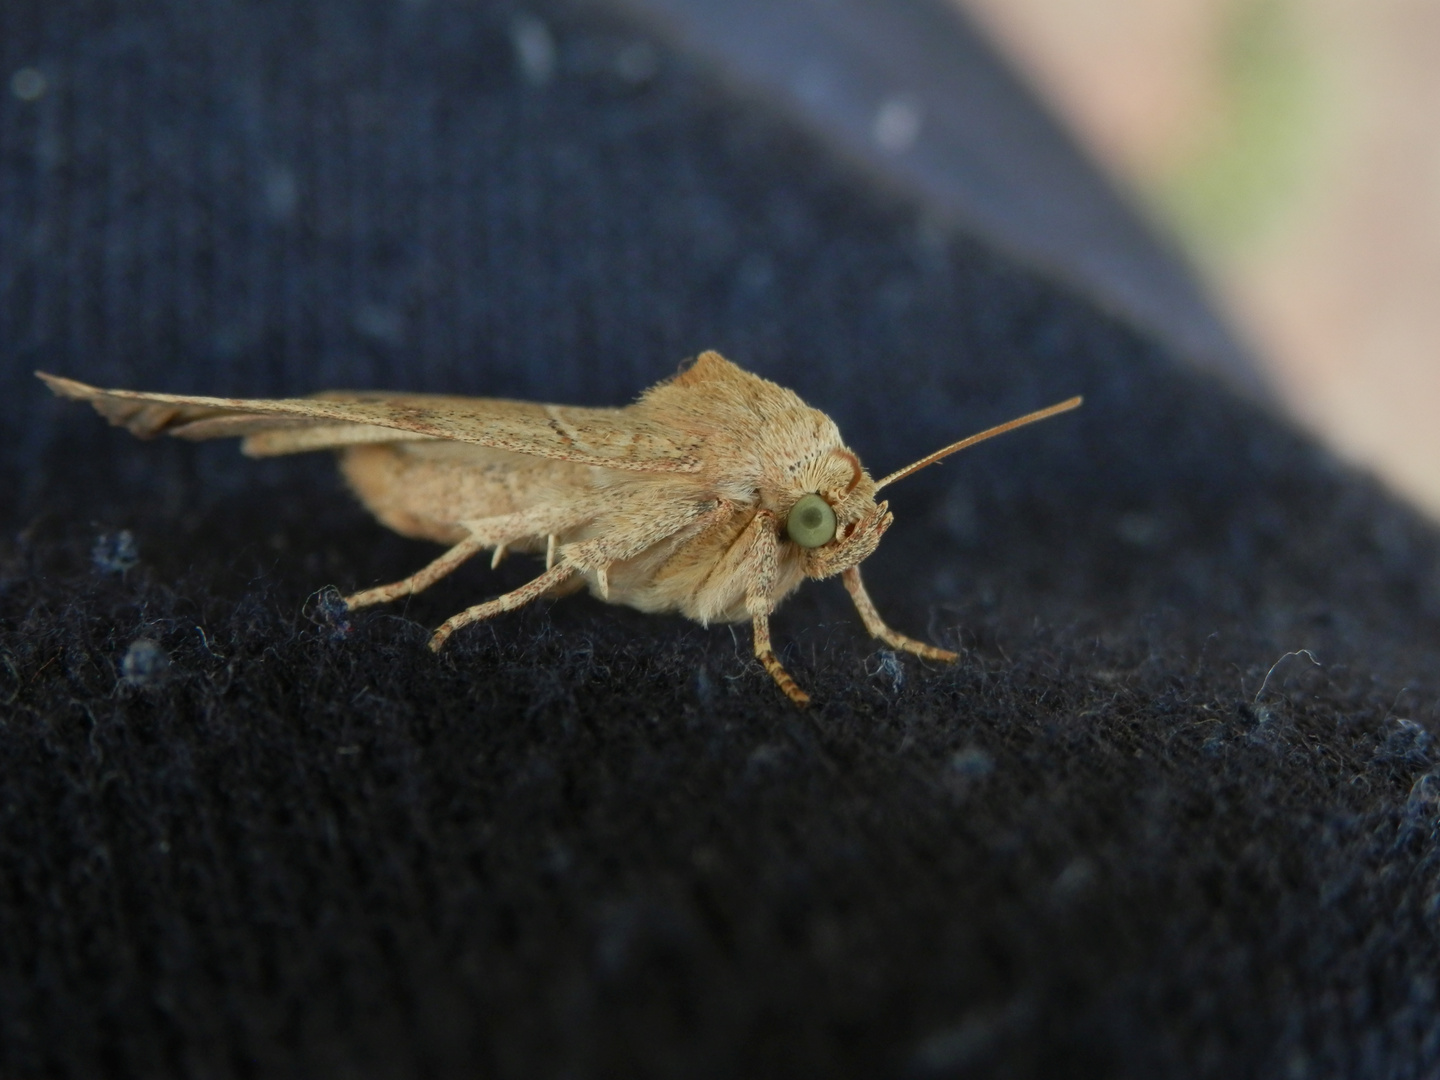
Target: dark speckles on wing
<point>565,439</point>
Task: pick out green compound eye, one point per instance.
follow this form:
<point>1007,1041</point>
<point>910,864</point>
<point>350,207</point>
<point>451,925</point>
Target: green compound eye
<point>811,522</point>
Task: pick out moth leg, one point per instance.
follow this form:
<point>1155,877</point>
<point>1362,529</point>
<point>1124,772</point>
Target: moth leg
<point>766,655</point>
<point>572,559</point>
<point>508,602</point>
<point>499,556</point>
<point>758,567</point>
<point>876,625</point>
<point>421,579</point>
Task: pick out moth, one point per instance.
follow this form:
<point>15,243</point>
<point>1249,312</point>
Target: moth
<point>714,495</point>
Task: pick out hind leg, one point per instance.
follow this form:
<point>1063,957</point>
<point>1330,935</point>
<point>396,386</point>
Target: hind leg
<point>509,602</point>
<point>497,532</point>
<point>420,580</point>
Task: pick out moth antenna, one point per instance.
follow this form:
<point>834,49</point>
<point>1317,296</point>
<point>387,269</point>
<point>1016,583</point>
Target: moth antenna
<point>988,433</point>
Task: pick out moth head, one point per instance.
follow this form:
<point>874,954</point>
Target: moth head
<point>833,520</point>
<point>838,523</point>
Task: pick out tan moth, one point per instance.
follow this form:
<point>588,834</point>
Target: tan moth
<point>715,494</point>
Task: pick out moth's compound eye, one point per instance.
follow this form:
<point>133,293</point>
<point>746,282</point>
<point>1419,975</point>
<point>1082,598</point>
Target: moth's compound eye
<point>811,522</point>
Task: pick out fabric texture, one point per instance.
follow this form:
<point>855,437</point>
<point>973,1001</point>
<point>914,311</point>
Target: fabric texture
<point>1173,812</point>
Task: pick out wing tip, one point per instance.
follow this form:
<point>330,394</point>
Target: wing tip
<point>67,388</point>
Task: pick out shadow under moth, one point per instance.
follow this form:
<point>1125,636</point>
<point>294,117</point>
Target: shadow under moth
<point>715,494</point>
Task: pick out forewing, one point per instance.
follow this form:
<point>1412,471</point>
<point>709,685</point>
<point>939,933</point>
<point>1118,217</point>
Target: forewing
<point>613,438</point>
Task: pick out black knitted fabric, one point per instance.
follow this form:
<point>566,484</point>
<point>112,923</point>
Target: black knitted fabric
<point>1133,832</point>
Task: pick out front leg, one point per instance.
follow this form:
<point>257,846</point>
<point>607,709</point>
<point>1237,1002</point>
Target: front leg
<point>766,655</point>
<point>876,625</point>
<point>758,568</point>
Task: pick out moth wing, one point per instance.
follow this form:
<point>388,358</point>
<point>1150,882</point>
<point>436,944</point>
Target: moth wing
<point>612,438</point>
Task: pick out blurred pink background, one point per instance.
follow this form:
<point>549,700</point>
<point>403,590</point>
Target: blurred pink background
<point>1293,147</point>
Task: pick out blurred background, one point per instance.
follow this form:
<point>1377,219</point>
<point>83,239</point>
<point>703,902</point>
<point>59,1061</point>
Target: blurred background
<point>1289,148</point>
<point>1293,148</point>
